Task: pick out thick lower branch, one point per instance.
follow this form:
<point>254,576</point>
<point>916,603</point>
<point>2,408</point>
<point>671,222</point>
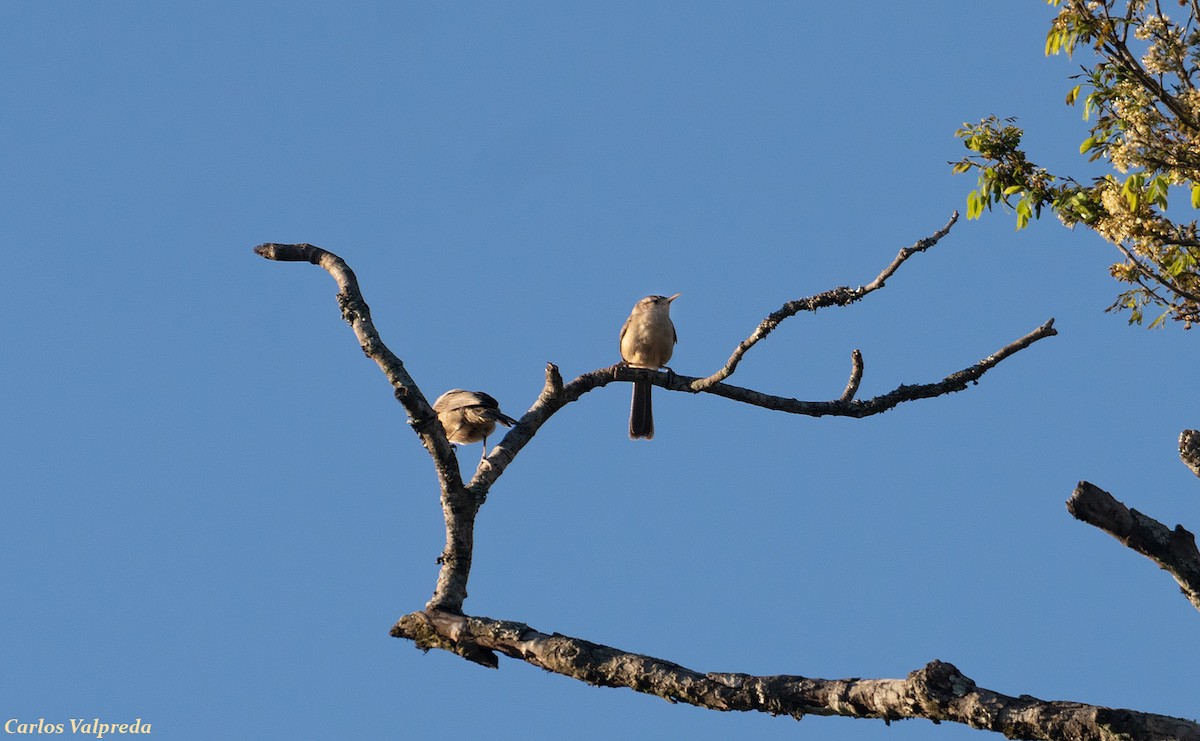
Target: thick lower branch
<point>1173,550</point>
<point>937,692</point>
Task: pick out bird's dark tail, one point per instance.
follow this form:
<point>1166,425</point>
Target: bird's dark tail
<point>641,417</point>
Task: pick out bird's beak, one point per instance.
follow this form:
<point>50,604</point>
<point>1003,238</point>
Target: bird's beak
<point>672,298</point>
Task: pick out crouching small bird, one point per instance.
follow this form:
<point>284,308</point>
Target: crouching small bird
<point>647,341</point>
<point>469,416</point>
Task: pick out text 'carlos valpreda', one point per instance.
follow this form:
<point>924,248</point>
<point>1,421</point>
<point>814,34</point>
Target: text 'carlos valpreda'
<point>95,727</point>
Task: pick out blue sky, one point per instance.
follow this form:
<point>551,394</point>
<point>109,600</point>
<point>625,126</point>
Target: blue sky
<point>214,511</point>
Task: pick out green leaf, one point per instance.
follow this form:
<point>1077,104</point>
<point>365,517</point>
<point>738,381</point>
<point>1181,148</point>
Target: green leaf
<point>1072,94</point>
<point>1132,189</point>
<point>1180,264</point>
<point>1195,195</point>
<point>1089,105</point>
<point>1024,211</point>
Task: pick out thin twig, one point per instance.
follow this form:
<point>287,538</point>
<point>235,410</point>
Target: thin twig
<point>1155,276</point>
<point>842,296</point>
<point>856,372</point>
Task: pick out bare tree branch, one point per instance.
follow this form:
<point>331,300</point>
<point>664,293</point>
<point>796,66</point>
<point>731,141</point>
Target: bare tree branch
<point>842,296</point>
<point>549,403</point>
<point>864,408</point>
<point>356,312</point>
<point>1189,449</point>
<point>458,504</point>
<point>1173,550</point>
<point>938,692</point>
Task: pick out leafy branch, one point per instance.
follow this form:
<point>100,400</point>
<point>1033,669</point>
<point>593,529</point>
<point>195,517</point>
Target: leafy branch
<point>1143,107</point>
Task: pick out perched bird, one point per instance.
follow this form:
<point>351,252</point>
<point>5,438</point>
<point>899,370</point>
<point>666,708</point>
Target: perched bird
<point>647,341</point>
<point>469,416</point>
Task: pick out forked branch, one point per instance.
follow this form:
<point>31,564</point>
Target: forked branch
<point>461,503</point>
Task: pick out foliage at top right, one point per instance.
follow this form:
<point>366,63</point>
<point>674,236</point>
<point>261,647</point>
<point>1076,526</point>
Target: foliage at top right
<point>1141,101</point>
